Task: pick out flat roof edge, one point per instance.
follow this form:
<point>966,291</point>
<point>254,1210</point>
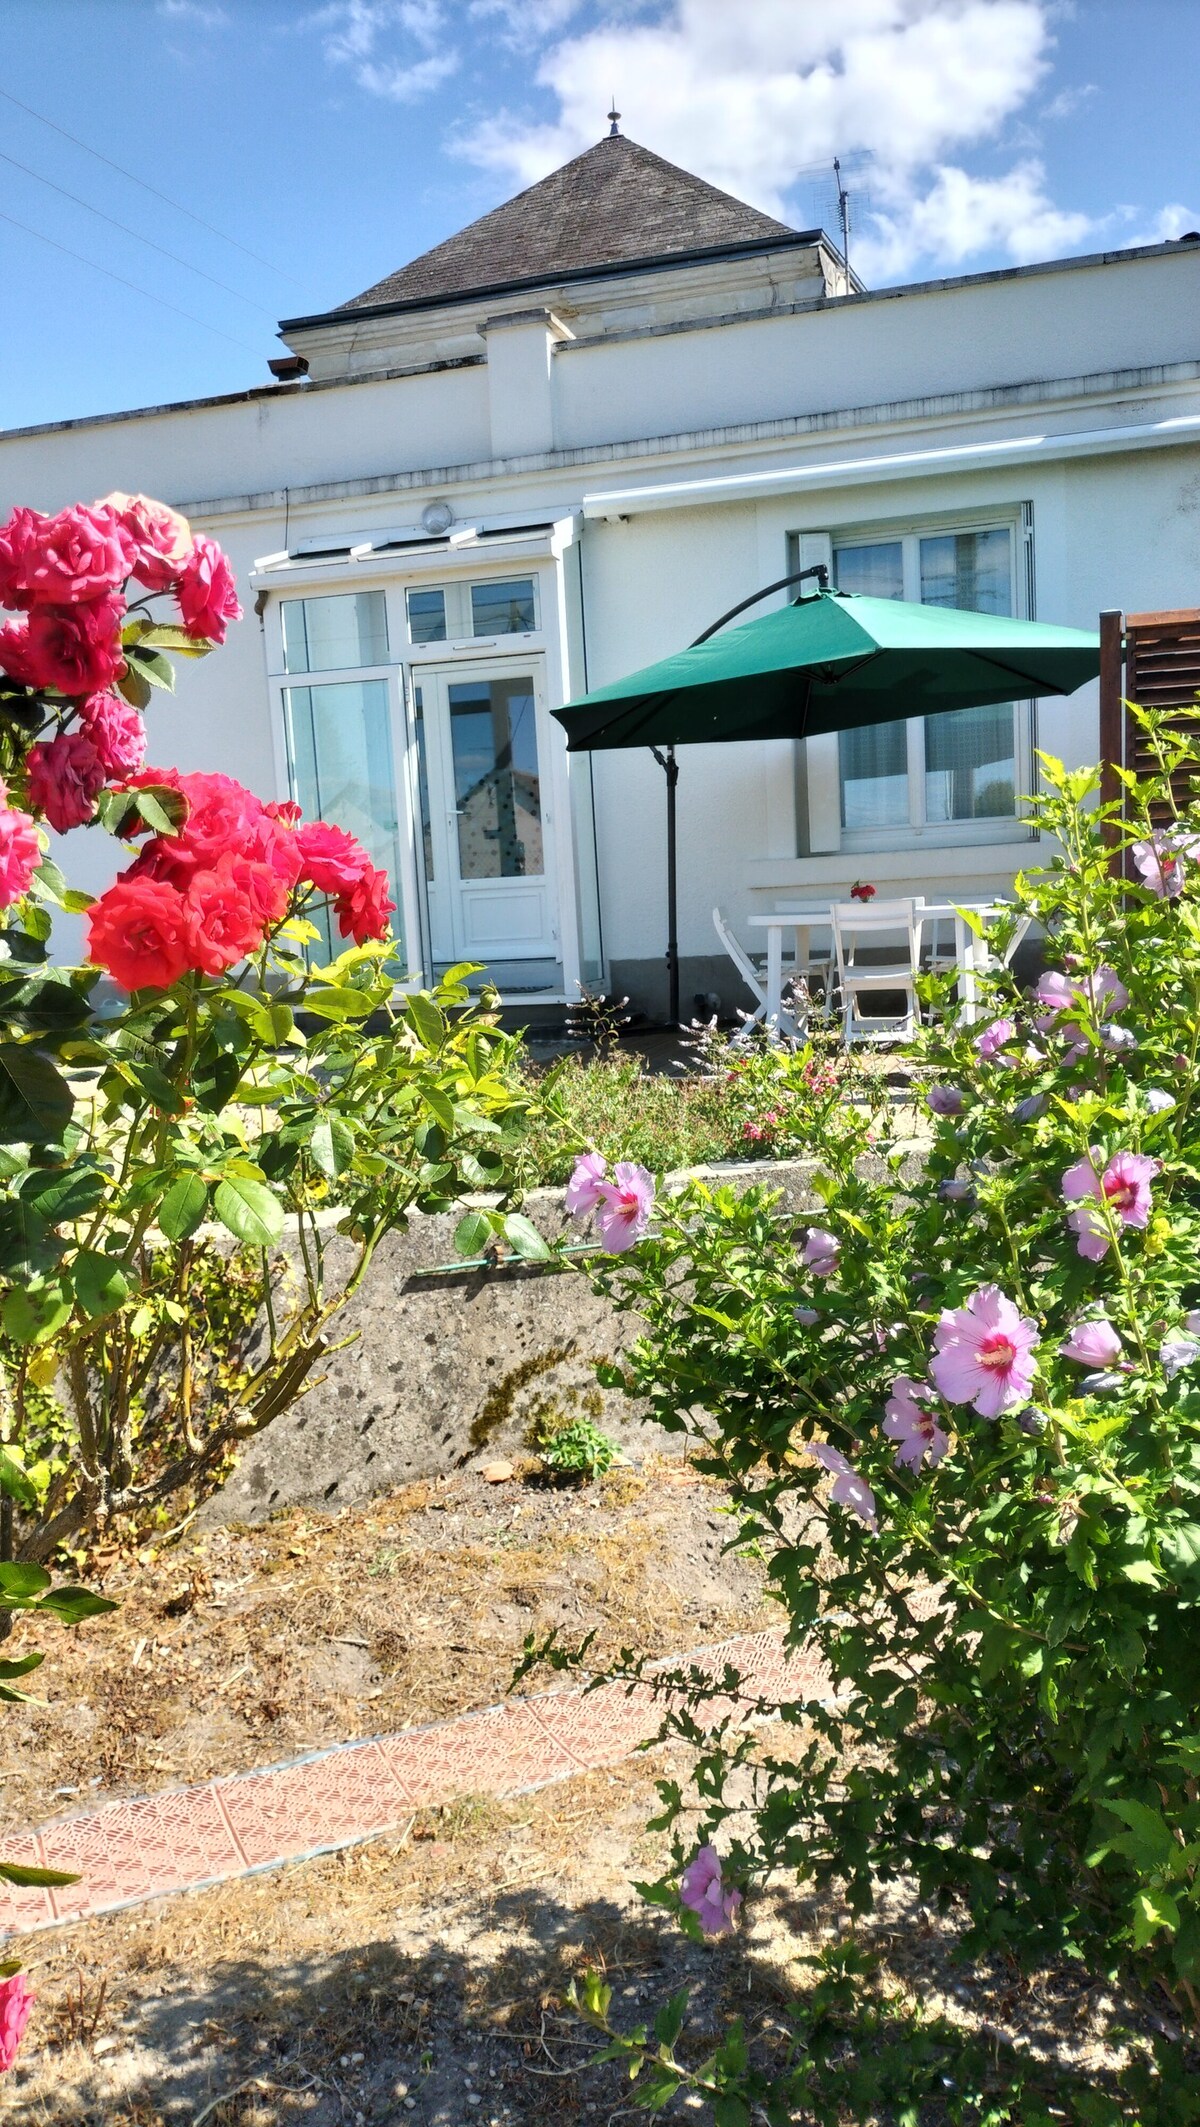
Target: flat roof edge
<point>653,262</point>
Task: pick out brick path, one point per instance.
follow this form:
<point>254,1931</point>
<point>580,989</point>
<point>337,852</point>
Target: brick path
<point>186,1837</point>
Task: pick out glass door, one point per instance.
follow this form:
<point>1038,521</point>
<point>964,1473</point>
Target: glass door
<point>485,833</point>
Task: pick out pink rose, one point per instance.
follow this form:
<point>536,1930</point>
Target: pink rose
<point>76,648</point>
<point>362,911</point>
<point>66,775</point>
<point>206,591</point>
<point>16,2004</point>
<point>272,841</point>
<point>221,817</point>
<point>18,541</point>
<point>20,852</point>
<point>76,557</point>
<point>160,539</point>
<point>330,858</point>
<point>117,733</point>
<point>14,652</point>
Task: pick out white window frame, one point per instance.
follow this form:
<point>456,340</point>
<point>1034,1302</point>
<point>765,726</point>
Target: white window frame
<point>823,778</point>
<point>405,662</point>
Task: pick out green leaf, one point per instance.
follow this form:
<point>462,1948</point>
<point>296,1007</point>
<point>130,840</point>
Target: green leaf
<point>21,1583</point>
<point>429,1022</point>
<point>164,635</point>
<point>135,687</point>
<point>152,665</point>
<point>15,1479</point>
<point>1152,1910</point>
<point>29,1315</point>
<point>472,1233</point>
<point>730,2111</point>
<point>669,2021</point>
<point>525,1240</point>
<point>183,1207</point>
<point>21,1667</point>
<point>100,1282</point>
<point>71,1605</point>
<point>1152,1843</point>
<point>337,1001</point>
<point>35,1100</point>
<point>14,1872</point>
<point>249,1211</point>
<point>63,1193</point>
<point>332,1146</point>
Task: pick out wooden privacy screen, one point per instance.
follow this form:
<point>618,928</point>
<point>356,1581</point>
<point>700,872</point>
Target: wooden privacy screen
<point>1162,671</point>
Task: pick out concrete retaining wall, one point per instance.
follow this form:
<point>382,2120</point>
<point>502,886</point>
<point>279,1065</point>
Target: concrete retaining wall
<point>443,1368</point>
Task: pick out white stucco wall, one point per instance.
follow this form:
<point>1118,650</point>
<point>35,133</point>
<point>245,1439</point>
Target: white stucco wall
<point>1118,529</point>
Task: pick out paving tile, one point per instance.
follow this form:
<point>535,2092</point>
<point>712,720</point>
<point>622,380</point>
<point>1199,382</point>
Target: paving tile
<point>327,1801</point>
<point>132,1850</point>
<point>598,1727</point>
<point>503,1751</point>
<point>22,1907</point>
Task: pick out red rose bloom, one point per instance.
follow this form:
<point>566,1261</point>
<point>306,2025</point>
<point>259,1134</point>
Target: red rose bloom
<point>18,539</point>
<point>221,818</point>
<point>76,648</point>
<point>77,556</point>
<point>138,930</point>
<point>273,842</point>
<point>206,591</point>
<point>262,887</point>
<point>363,912</point>
<point>285,810</point>
<point>14,652</point>
<point>160,539</point>
<point>117,733</point>
<point>331,859</point>
<point>66,775</point>
<point>223,925</point>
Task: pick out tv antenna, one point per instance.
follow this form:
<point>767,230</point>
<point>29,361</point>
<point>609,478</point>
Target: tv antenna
<point>843,201</point>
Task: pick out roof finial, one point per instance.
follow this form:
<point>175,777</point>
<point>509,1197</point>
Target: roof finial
<point>614,120</point>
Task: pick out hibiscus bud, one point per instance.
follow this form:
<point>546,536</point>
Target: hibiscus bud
<point>1158,1101</point>
<point>1027,1111</point>
<point>1100,1384</point>
<point>956,1192</point>
<point>1031,1420</point>
<point>1118,1038</point>
<point>806,1316</point>
<point>946,1100</point>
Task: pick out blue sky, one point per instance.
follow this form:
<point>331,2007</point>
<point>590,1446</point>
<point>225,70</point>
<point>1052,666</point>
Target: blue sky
<point>319,146</point>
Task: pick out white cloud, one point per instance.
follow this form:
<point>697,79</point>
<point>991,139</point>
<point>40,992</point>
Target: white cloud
<point>749,95</point>
<point>204,17</point>
<point>1068,100</point>
<point>1166,226</point>
<point>959,216</point>
<point>359,34</point>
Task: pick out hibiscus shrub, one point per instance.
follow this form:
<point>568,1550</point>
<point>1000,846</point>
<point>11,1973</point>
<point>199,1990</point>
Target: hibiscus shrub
<point>219,1092</point>
<point>958,1412</point>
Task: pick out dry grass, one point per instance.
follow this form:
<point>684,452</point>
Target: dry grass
<point>242,1646</point>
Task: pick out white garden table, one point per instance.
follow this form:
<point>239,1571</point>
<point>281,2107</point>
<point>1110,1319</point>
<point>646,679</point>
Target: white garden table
<point>801,918</point>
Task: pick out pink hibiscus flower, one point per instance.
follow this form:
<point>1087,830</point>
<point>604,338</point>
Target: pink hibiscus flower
<point>1123,1186</point>
<point>703,1892</point>
<point>849,1489</point>
<point>993,1038</point>
<point>1093,1343</point>
<point>820,1252</point>
<point>916,1432</point>
<point>587,1180</point>
<point>984,1353</point>
<point>1161,862</point>
<point>624,1207</point>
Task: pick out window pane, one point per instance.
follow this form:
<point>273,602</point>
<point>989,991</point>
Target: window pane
<point>503,608</point>
<point>332,634</point>
<point>970,765</point>
<point>873,764</point>
<point>427,616</point>
<point>970,754</point>
<point>340,747</point>
<point>872,571</point>
<point>497,790</point>
<point>970,570</point>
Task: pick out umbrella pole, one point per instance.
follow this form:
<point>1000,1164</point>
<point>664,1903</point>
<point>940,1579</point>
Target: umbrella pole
<point>670,767</point>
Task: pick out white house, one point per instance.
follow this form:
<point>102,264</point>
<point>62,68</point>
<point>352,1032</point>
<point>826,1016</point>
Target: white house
<point>553,449</point>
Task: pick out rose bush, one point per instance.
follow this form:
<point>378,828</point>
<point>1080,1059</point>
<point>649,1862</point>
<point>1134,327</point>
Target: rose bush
<point>220,1098</point>
<point>961,1421</point>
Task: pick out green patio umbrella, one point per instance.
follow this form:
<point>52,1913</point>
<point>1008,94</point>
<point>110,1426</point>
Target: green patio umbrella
<point>831,662</point>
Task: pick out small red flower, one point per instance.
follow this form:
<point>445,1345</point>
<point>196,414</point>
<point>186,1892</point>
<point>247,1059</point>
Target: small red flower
<point>138,930</point>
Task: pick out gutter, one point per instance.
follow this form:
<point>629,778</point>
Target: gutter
<point>615,503</point>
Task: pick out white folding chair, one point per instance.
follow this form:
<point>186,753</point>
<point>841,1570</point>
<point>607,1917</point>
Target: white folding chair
<point>752,974</point>
<point>817,970</point>
<point>893,928</point>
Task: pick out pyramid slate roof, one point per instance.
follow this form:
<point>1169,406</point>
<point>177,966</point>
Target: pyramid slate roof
<point>616,202</point>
